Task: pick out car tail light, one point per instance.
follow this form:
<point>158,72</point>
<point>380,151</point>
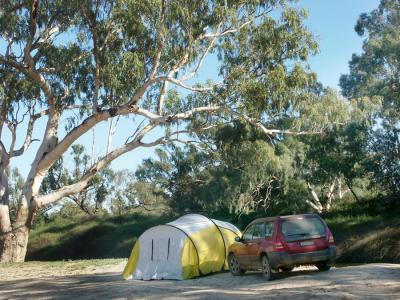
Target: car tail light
<point>331,241</point>
<point>278,246</point>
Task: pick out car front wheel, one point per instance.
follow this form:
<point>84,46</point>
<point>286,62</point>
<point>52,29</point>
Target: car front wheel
<point>266,268</point>
<point>234,266</point>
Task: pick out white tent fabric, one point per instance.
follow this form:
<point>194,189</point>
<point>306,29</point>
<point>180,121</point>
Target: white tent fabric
<point>154,253</point>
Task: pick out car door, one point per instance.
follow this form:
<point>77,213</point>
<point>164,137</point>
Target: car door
<point>242,252</point>
<point>268,244</point>
<point>255,244</point>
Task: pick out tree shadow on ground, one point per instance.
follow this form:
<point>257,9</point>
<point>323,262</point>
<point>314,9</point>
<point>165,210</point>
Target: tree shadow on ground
<point>300,284</point>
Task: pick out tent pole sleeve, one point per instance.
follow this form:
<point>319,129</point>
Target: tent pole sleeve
<point>223,241</point>
<point>152,249</point>
<point>169,243</point>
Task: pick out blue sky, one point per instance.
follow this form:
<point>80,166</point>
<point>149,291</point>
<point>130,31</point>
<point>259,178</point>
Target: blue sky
<point>332,22</point>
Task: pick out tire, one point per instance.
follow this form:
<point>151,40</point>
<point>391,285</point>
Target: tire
<point>266,268</point>
<point>286,269</point>
<point>323,266</point>
<point>234,266</point>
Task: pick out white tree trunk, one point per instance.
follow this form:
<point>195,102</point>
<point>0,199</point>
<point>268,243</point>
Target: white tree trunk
<point>341,193</point>
<point>26,204</point>
<point>316,203</point>
<point>317,208</point>
<point>92,157</point>
<point>21,229</point>
<point>330,196</point>
<point>6,236</point>
<point>111,132</point>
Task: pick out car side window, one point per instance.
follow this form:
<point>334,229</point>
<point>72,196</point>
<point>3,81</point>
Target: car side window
<point>248,234</point>
<point>259,231</point>
<point>269,229</point>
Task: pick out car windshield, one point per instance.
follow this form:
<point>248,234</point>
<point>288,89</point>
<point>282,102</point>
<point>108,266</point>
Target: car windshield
<point>302,228</point>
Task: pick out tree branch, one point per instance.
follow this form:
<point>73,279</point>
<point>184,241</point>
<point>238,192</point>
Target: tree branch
<point>180,83</point>
<point>183,115</point>
<point>111,132</point>
<point>159,40</point>
<point>160,102</point>
<point>13,130</point>
<point>29,131</point>
<point>228,31</point>
<point>78,131</point>
<point>28,138</point>
<point>76,187</point>
<point>256,123</point>
<point>185,59</point>
<point>201,60</point>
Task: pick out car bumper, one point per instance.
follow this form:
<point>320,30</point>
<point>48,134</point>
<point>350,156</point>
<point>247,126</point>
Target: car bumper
<point>279,259</point>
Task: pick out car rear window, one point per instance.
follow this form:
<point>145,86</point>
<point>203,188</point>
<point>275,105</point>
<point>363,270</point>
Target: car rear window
<point>302,228</point>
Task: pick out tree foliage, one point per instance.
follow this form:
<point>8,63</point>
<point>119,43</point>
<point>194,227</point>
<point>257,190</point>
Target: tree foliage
<point>236,172</point>
<point>376,73</point>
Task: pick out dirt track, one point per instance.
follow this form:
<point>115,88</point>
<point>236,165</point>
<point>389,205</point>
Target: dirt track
<point>371,281</point>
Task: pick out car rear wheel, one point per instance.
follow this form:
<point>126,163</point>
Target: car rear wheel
<point>323,266</point>
<point>286,269</point>
<point>266,268</point>
<point>234,266</point>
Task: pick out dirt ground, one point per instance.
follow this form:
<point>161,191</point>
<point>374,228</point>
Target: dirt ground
<point>35,281</point>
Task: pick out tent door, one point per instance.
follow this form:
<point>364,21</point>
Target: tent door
<point>160,249</point>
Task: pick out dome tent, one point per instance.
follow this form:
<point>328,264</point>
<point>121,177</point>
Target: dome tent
<point>188,247</point>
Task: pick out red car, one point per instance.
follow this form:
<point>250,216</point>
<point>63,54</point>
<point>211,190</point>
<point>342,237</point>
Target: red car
<point>281,243</point>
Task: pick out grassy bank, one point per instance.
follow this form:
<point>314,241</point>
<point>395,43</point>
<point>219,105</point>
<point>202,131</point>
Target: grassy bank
<point>89,237</point>
<point>364,233</point>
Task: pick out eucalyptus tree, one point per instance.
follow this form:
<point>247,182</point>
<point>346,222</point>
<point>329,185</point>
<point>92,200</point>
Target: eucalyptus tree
<point>376,73</point>
<point>97,60</point>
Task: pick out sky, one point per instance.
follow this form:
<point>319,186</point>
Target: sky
<point>332,22</point>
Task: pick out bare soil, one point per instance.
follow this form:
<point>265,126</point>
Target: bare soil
<point>86,281</point>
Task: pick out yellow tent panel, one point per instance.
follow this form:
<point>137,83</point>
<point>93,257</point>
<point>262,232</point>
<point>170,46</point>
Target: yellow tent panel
<point>189,260</point>
<point>133,260</point>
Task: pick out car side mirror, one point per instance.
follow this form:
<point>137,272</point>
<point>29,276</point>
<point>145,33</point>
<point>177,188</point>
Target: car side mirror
<point>238,239</point>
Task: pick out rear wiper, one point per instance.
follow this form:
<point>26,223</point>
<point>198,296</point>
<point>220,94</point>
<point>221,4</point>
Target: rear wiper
<point>302,234</point>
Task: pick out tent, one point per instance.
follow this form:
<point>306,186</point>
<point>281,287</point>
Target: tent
<point>188,247</point>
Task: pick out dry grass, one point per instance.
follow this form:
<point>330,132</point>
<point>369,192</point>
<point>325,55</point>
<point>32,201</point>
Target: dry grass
<point>40,269</point>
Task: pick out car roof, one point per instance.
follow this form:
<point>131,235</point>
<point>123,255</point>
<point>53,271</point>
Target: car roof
<point>268,219</point>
